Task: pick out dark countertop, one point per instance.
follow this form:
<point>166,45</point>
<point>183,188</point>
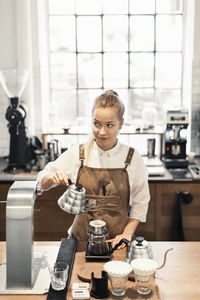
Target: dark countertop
<point>13,177</point>
<point>166,175</point>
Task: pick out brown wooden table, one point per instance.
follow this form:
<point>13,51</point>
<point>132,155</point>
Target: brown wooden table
<point>179,279</point>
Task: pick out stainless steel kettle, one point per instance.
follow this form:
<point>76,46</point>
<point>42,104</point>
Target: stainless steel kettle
<point>73,199</point>
<point>138,248</point>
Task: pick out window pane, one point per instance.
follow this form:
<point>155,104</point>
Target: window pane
<point>123,95</point>
<point>168,99</point>
<point>89,34</point>
<point>115,6</point>
<point>86,101</point>
<point>63,70</point>
<point>168,70</point>
<point>61,7</point>
<point>169,33</point>
<point>141,69</point>
<point>62,108</point>
<point>142,6</point>
<point>169,6</point>
<point>142,33</point>
<point>115,30</point>
<point>115,70</point>
<point>88,7</point>
<point>137,98</point>
<point>90,70</point>
<point>62,33</point>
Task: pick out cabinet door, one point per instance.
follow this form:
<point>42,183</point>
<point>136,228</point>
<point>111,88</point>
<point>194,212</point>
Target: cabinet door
<point>147,229</point>
<point>4,187</point>
<point>168,210</point>
<point>51,223</point>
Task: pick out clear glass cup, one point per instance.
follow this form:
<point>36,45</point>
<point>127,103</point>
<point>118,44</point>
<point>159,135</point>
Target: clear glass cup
<point>144,284</point>
<point>118,285</point>
<point>59,275</point>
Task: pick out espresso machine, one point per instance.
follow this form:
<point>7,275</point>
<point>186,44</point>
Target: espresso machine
<point>13,82</point>
<point>175,139</point>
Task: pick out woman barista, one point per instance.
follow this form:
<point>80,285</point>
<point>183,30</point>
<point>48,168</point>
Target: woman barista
<point>113,174</point>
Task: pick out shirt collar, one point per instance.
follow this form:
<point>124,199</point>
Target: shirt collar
<point>108,152</point>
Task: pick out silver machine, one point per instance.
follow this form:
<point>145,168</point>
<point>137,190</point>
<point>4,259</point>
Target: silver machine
<point>18,272</point>
<point>176,139</point>
<point>19,227</point>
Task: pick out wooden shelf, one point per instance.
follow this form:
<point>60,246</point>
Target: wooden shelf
<point>160,134</point>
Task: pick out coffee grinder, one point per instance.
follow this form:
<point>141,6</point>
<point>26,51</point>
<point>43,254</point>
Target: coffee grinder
<point>13,82</point>
<point>175,139</point>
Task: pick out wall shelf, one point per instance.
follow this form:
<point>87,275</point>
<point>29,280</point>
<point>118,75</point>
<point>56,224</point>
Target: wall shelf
<point>55,135</point>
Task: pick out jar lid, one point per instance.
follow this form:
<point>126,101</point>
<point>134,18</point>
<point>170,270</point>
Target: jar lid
<point>144,266</point>
<point>117,268</point>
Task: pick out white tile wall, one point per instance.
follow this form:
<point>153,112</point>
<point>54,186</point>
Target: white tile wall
<point>195,107</point>
<point>4,135</point>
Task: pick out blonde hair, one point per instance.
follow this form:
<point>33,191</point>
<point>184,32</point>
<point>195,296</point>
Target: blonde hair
<point>110,98</point>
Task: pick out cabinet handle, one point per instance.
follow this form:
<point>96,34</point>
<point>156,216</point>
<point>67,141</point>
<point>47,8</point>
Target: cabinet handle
<point>3,202</point>
<point>37,209</point>
<point>185,197</point>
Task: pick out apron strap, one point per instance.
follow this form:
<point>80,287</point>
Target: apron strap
<point>128,158</point>
<point>81,155</point>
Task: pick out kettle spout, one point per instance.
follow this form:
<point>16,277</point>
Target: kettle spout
<point>165,257</point>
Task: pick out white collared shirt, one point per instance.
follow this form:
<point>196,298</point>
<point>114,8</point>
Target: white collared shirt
<point>114,158</point>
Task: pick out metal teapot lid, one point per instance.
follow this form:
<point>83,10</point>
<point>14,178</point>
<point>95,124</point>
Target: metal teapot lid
<point>140,243</point>
<point>77,188</point>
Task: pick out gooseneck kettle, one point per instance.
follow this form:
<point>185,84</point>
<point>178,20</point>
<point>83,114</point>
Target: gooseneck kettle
<point>73,199</point>
<point>138,248</point>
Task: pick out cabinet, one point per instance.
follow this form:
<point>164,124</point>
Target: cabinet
<point>4,187</point>
<point>170,218</point>
<point>50,222</point>
<point>163,219</point>
<point>147,229</point>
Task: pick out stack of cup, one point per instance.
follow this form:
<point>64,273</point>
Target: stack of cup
<point>144,270</point>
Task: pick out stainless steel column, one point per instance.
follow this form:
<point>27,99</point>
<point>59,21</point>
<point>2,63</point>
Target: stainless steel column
<point>19,234</point>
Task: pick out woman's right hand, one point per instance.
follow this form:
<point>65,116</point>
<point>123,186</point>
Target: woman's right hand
<point>59,177</point>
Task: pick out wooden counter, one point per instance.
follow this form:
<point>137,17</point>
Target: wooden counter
<point>179,279</point>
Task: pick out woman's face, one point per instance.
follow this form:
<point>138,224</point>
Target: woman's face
<point>105,127</point>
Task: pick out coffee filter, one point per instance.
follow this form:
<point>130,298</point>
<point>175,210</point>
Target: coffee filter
<point>144,266</point>
<point>97,223</point>
<point>117,268</point>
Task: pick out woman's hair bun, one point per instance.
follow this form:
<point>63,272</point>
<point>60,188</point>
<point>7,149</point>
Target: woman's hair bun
<point>111,92</point>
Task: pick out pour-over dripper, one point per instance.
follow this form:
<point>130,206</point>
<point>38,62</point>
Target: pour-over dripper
<point>13,81</point>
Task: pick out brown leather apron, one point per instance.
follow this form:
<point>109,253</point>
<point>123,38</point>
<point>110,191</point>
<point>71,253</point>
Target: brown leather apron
<point>109,191</point>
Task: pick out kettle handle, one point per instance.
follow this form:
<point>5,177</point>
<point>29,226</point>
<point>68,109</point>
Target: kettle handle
<point>69,181</point>
<point>125,241</point>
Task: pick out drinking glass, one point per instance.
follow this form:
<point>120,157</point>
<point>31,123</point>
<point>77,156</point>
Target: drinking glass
<point>118,285</point>
<point>59,275</point>
<point>144,284</point>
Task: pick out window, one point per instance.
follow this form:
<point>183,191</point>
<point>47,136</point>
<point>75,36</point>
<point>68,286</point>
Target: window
<point>131,46</point>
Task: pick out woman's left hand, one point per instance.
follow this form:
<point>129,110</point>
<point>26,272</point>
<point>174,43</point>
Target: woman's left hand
<point>118,238</point>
